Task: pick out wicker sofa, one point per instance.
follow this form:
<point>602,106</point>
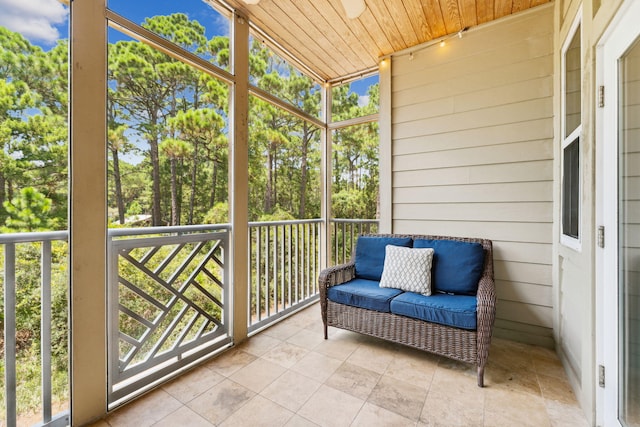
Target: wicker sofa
<point>466,344</point>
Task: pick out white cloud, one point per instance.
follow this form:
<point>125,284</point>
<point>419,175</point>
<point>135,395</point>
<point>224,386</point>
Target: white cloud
<point>363,101</point>
<point>34,19</point>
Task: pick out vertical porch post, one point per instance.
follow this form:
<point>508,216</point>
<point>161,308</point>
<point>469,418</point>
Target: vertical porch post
<point>87,211</point>
<point>385,224</point>
<point>326,173</point>
<point>239,179</point>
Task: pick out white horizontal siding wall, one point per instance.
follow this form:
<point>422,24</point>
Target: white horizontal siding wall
<point>472,145</point>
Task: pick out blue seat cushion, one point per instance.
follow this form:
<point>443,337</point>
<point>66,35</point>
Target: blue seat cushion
<point>370,253</point>
<point>452,310</point>
<point>363,293</point>
<point>457,266</point>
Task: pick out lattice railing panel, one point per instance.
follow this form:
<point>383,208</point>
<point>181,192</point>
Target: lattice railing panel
<point>168,306</point>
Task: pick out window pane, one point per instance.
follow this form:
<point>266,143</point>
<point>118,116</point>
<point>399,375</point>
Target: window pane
<point>284,165</point>
<point>356,99</point>
<point>573,85</point>
<point>273,74</point>
<point>167,134</point>
<point>571,190</point>
<point>355,172</point>
<point>34,147</point>
<point>191,24</point>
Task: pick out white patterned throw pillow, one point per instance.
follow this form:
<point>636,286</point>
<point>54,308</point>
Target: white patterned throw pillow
<point>408,269</point>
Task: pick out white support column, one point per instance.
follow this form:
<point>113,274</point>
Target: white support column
<point>239,208</point>
<point>87,211</point>
<point>385,158</point>
<point>326,173</point>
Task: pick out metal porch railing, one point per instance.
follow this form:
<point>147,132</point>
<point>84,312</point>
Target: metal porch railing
<point>27,255</point>
<point>283,268</point>
<point>168,296</point>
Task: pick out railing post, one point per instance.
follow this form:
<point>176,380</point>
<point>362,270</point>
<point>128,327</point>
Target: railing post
<point>10,332</point>
<point>325,203</point>
<point>45,329</point>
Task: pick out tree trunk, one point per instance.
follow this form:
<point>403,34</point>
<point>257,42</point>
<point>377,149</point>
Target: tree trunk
<point>303,175</point>
<point>156,210</point>
<point>3,193</point>
<point>194,171</point>
<point>118,185</point>
<point>9,189</point>
<point>174,192</point>
<point>214,183</point>
<point>269,190</point>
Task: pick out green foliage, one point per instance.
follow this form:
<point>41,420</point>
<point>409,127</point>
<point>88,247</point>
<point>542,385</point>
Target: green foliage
<point>29,211</point>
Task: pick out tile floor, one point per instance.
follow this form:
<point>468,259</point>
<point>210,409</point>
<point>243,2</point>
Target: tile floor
<point>289,375</point>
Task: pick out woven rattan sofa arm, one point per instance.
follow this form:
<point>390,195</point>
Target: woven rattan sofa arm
<point>337,275</point>
<point>486,312</point>
<point>333,276</point>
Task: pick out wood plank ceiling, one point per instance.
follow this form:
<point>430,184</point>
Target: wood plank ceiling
<point>320,35</point>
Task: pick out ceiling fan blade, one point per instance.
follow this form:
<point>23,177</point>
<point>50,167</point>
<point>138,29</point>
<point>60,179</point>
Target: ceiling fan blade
<point>353,8</point>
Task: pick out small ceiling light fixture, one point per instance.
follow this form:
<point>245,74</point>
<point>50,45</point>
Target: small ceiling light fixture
<point>251,1</point>
<point>354,8</point>
<point>411,56</point>
<point>442,43</point>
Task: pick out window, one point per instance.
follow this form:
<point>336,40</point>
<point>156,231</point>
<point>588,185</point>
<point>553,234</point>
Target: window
<point>572,127</point>
<point>571,189</point>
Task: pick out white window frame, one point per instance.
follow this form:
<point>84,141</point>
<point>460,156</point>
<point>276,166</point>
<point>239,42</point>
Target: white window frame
<point>566,240</point>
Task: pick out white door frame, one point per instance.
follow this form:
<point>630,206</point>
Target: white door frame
<point>622,31</point>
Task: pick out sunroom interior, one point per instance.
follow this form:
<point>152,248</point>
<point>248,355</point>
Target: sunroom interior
<point>479,107</point>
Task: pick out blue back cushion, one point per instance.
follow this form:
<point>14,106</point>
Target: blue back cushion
<point>370,252</point>
<point>457,266</point>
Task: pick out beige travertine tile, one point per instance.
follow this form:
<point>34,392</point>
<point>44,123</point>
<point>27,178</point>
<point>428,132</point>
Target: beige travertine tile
<point>145,411</point>
<point>282,331</point>
<point>509,357</point>
<point>193,383</point>
<point>455,384</point>
<point>258,374</point>
<point>354,379</point>
<point>373,416</point>
<point>306,339</point>
<point>330,407</point>
<point>398,396</point>
<point>549,367</point>
<point>291,390</point>
<point>563,415</point>
<point>443,410</point>
<point>373,357</point>
<point>220,401</point>
<point>554,388</point>
<point>466,369</point>
<point>259,412</point>
<point>521,380</point>
<point>338,347</point>
<point>100,423</point>
<point>316,366</point>
<point>229,362</point>
<point>510,408</point>
<point>285,354</point>
<point>526,385</point>
<point>259,344</point>
<point>183,417</point>
<point>298,421</point>
<point>414,367</point>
